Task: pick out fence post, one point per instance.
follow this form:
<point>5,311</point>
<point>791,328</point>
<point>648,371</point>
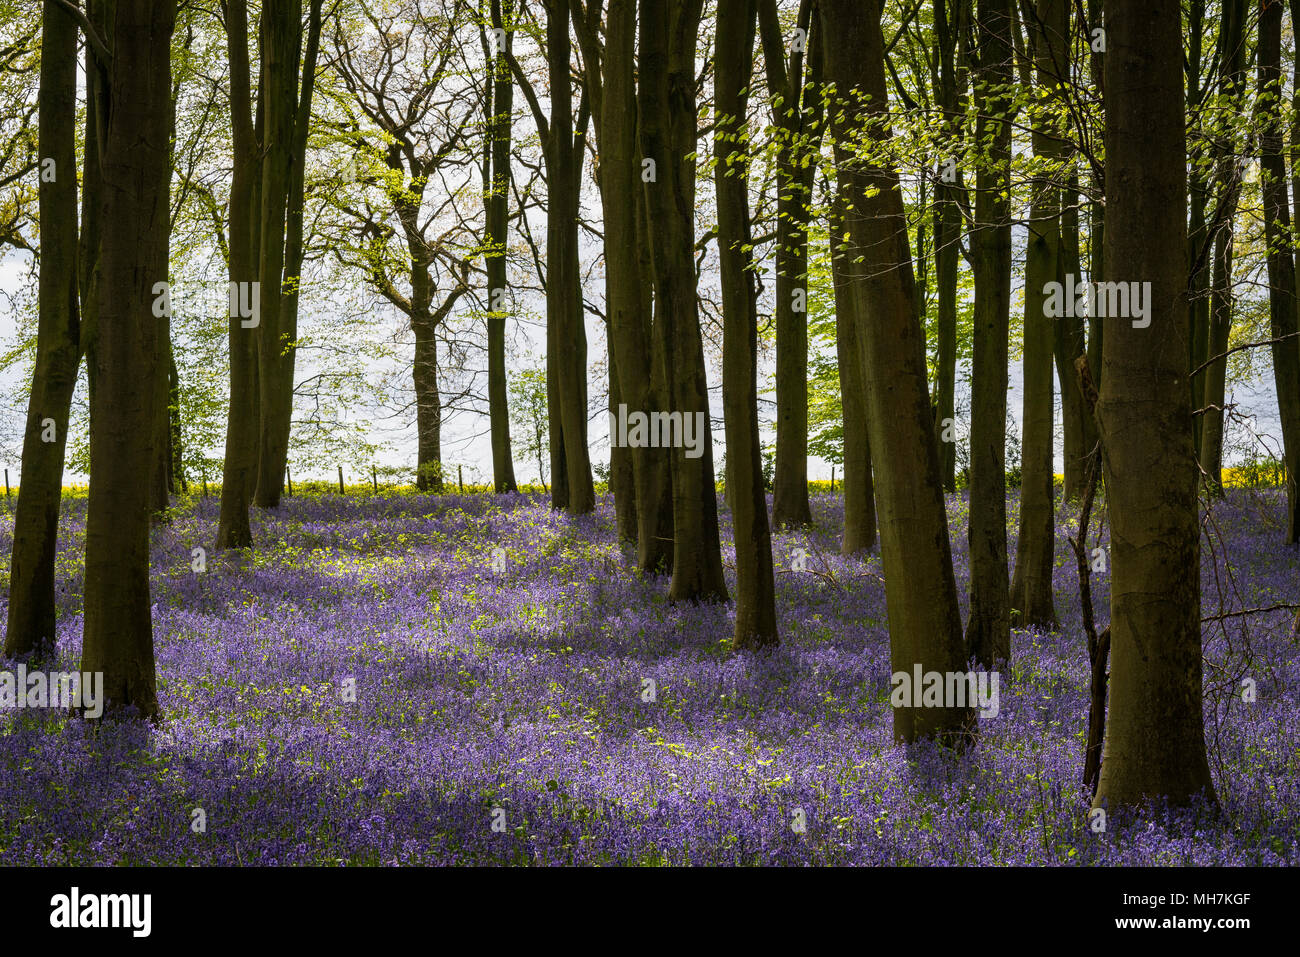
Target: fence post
<point>460,478</point>
<point>374,478</point>
<point>341,492</point>
<point>6,487</point>
<point>288,477</point>
<point>832,478</point>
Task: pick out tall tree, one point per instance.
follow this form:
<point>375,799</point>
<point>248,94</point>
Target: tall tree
<point>1031,586</point>
<point>284,150</point>
<point>566,335</point>
<point>30,628</point>
<point>920,587</point>
<point>400,80</point>
<point>499,107</point>
<point>988,631</point>
<point>611,79</point>
<point>134,216</point>
<point>667,114</point>
<point>1209,387</point>
<point>1283,323</point>
<point>950,21</point>
<point>859,488</point>
<point>239,468</point>
<point>755,585</point>
<point>796,117</point>
<point>1155,740</point>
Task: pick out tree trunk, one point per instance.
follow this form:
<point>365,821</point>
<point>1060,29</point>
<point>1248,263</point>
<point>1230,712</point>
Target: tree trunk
<point>567,348</point>
<point>280,245</point>
<point>239,470</point>
<point>920,588</point>
<point>499,127</point>
<point>628,275</point>
<point>428,407</point>
<point>666,99</point>
<point>798,131</point>
<point>988,630</point>
<point>755,584</point>
<point>1281,267</point>
<point>1031,586</point>
<point>1078,424</point>
<point>30,629</point>
<point>118,638</point>
<point>1155,742</point>
<point>859,490</point>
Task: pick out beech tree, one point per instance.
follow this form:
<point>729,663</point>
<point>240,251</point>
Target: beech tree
<point>1155,740</point>
<point>755,586</point>
<point>1283,323</point>
<point>666,110</point>
<point>988,632</point>
<point>31,618</point>
<point>920,587</point>
<point>796,117</point>
<point>135,78</point>
<point>1031,586</point>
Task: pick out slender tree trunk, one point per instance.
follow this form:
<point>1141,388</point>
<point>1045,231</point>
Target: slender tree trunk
<point>160,483</point>
<point>1155,742</point>
<point>859,489</point>
<point>428,407</point>
<point>280,33</point>
<point>31,620</point>
<point>988,631</point>
<point>1283,323</point>
<point>1078,424</point>
<point>666,100</point>
<point>499,126</point>
<point>239,471</point>
<point>567,350</point>
<point>798,131</point>
<point>118,639</point>
<point>920,588</point>
<point>1031,586</point>
<point>949,191</point>
<point>755,583</point>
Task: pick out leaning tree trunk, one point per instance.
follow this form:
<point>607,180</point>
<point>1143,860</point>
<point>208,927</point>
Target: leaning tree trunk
<point>1281,267</point>
<point>988,631</point>
<point>755,584</point>
<point>666,100</point>
<point>1031,586</point>
<point>1155,741</point>
<point>30,627</point>
<point>118,637</point>
<point>920,588</point>
<point>239,471</point>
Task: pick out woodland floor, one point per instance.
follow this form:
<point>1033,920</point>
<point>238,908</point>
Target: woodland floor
<point>523,692</point>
